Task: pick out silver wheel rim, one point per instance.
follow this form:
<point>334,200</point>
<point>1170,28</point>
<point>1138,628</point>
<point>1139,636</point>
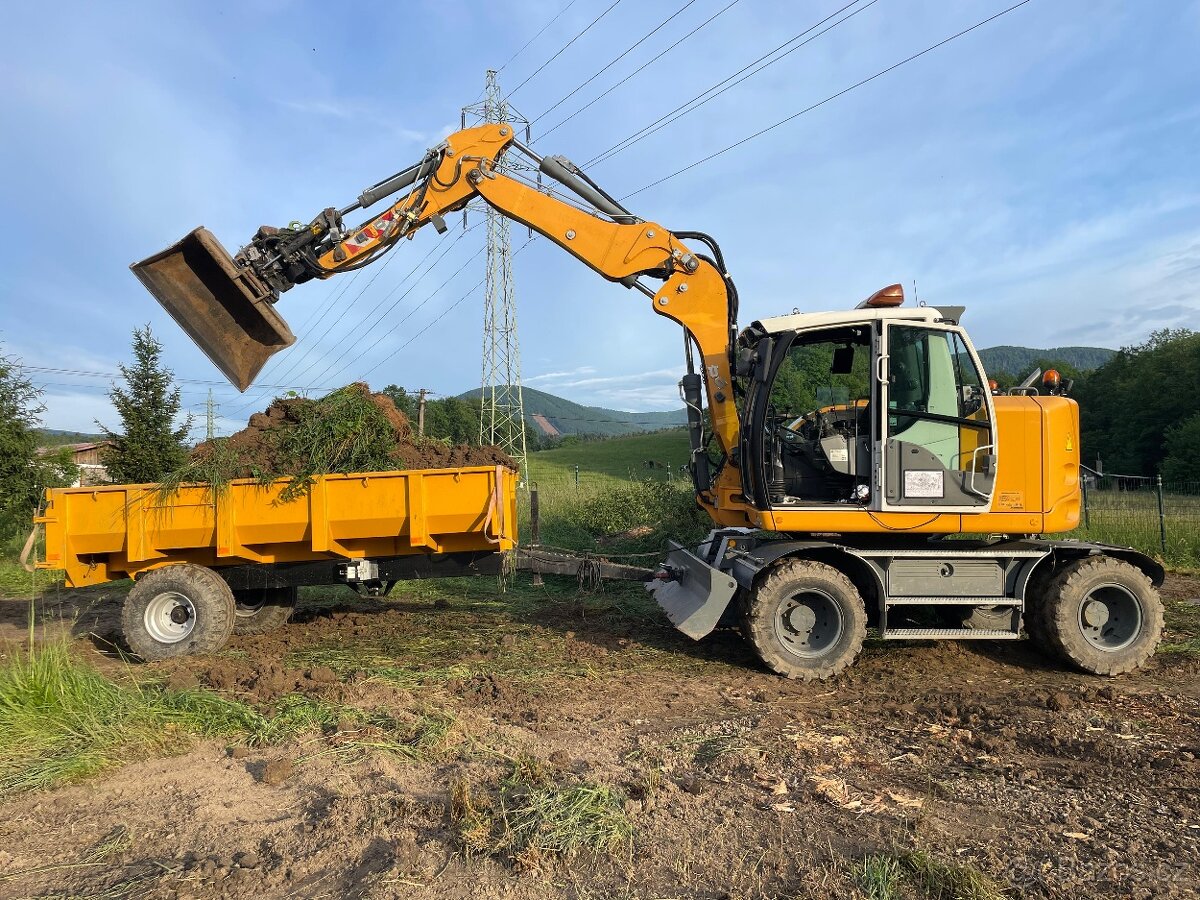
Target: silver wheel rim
<point>809,624</point>
<point>1110,617</point>
<point>244,610</point>
<point>170,617</point>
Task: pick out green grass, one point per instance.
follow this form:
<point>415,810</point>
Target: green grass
<point>892,876</point>
<point>530,817</point>
<point>1131,519</point>
<point>612,460</point>
<point>61,721</point>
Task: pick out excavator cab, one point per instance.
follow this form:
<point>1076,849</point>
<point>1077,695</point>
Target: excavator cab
<point>225,308</point>
<point>882,409</point>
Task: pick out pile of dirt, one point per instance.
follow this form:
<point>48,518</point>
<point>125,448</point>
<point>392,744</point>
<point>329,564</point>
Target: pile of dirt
<point>349,430</point>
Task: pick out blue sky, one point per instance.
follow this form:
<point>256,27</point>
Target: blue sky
<point>1040,171</point>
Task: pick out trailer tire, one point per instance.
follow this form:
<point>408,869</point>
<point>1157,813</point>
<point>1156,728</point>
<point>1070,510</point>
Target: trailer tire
<point>177,611</point>
<point>806,620</point>
<point>1103,615</point>
<point>262,609</point>
<point>986,618</point>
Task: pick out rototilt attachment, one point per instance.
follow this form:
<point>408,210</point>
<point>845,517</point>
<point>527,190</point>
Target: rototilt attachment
<point>227,310</point>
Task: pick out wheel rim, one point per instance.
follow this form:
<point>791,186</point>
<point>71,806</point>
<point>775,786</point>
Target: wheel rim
<point>245,610</point>
<point>809,623</point>
<point>170,617</point>
<point>1110,617</point>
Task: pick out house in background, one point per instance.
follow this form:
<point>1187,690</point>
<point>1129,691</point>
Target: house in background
<point>87,457</point>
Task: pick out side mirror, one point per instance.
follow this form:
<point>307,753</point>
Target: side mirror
<point>843,361</point>
<point>762,359</point>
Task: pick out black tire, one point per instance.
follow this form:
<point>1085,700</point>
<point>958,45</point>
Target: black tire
<point>262,610</point>
<point>805,620</point>
<point>1037,627</point>
<point>177,611</point>
<point>1103,615</point>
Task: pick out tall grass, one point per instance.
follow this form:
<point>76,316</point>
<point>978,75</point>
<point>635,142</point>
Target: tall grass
<point>60,720</point>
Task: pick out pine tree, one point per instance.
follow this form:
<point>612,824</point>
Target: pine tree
<point>149,445</point>
<point>20,406</point>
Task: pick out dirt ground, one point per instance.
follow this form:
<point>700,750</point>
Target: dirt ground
<point>738,784</point>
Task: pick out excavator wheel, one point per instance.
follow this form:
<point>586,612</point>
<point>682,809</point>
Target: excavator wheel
<point>264,609</point>
<point>1102,615</point>
<point>1036,626</point>
<point>805,620</point>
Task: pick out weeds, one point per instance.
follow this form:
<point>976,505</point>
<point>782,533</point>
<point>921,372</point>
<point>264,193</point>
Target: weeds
<point>879,877</point>
<point>885,877</point>
<point>531,817</point>
<point>61,721</point>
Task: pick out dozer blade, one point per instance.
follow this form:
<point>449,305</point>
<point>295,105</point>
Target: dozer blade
<point>226,310</point>
<point>696,597</point>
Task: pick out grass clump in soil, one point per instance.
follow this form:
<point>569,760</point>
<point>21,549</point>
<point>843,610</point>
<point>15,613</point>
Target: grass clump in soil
<point>531,818</point>
<point>60,720</point>
<point>917,873</point>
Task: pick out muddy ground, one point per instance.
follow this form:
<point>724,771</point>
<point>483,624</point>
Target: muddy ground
<point>737,784</point>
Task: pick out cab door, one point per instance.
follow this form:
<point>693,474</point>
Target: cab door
<point>938,448</point>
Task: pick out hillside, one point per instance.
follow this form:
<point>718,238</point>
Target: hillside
<point>54,437</point>
<point>619,457</point>
<point>568,417</point>
<point>1019,361</point>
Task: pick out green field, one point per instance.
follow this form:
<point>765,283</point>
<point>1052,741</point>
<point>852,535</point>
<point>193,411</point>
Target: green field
<point>603,462</point>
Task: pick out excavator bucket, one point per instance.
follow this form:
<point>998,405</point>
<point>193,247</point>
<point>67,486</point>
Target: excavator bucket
<point>226,310</point>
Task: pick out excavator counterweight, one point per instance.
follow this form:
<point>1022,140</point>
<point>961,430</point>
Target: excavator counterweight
<point>224,308</point>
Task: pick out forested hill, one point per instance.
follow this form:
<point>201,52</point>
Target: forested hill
<point>568,417</point>
<point>1020,361</point>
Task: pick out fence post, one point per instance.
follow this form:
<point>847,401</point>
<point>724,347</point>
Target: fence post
<point>668,473</point>
<point>535,529</point>
<point>576,476</point>
<point>1162,518</point>
<point>1083,487</point>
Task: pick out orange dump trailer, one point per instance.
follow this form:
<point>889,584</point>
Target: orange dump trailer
<point>206,565</point>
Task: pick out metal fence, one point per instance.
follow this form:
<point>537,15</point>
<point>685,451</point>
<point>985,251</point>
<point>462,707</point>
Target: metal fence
<point>1155,516</point>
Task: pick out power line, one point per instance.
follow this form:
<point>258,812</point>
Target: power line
<point>643,66</point>
<point>683,109</point>
<point>385,334</point>
<point>613,61</point>
<point>840,93</point>
<point>369,316</point>
<point>563,48</point>
<point>447,310</point>
<point>376,321</point>
<point>541,31</point>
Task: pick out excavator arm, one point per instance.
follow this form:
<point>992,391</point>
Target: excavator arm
<point>227,304</point>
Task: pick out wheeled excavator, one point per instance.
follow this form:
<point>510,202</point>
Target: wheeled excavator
<point>857,468</point>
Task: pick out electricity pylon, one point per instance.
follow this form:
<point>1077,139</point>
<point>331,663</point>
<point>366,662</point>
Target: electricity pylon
<point>502,422</point>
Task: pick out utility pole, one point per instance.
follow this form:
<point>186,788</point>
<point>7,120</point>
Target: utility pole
<point>502,414</point>
<point>421,413</point>
<point>210,418</point>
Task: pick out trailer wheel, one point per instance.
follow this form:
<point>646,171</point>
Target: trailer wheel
<point>176,611</point>
<point>1103,615</point>
<point>806,620</point>
<point>263,609</point>
<point>986,618</point>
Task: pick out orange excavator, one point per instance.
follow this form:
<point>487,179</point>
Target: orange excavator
<point>844,457</point>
